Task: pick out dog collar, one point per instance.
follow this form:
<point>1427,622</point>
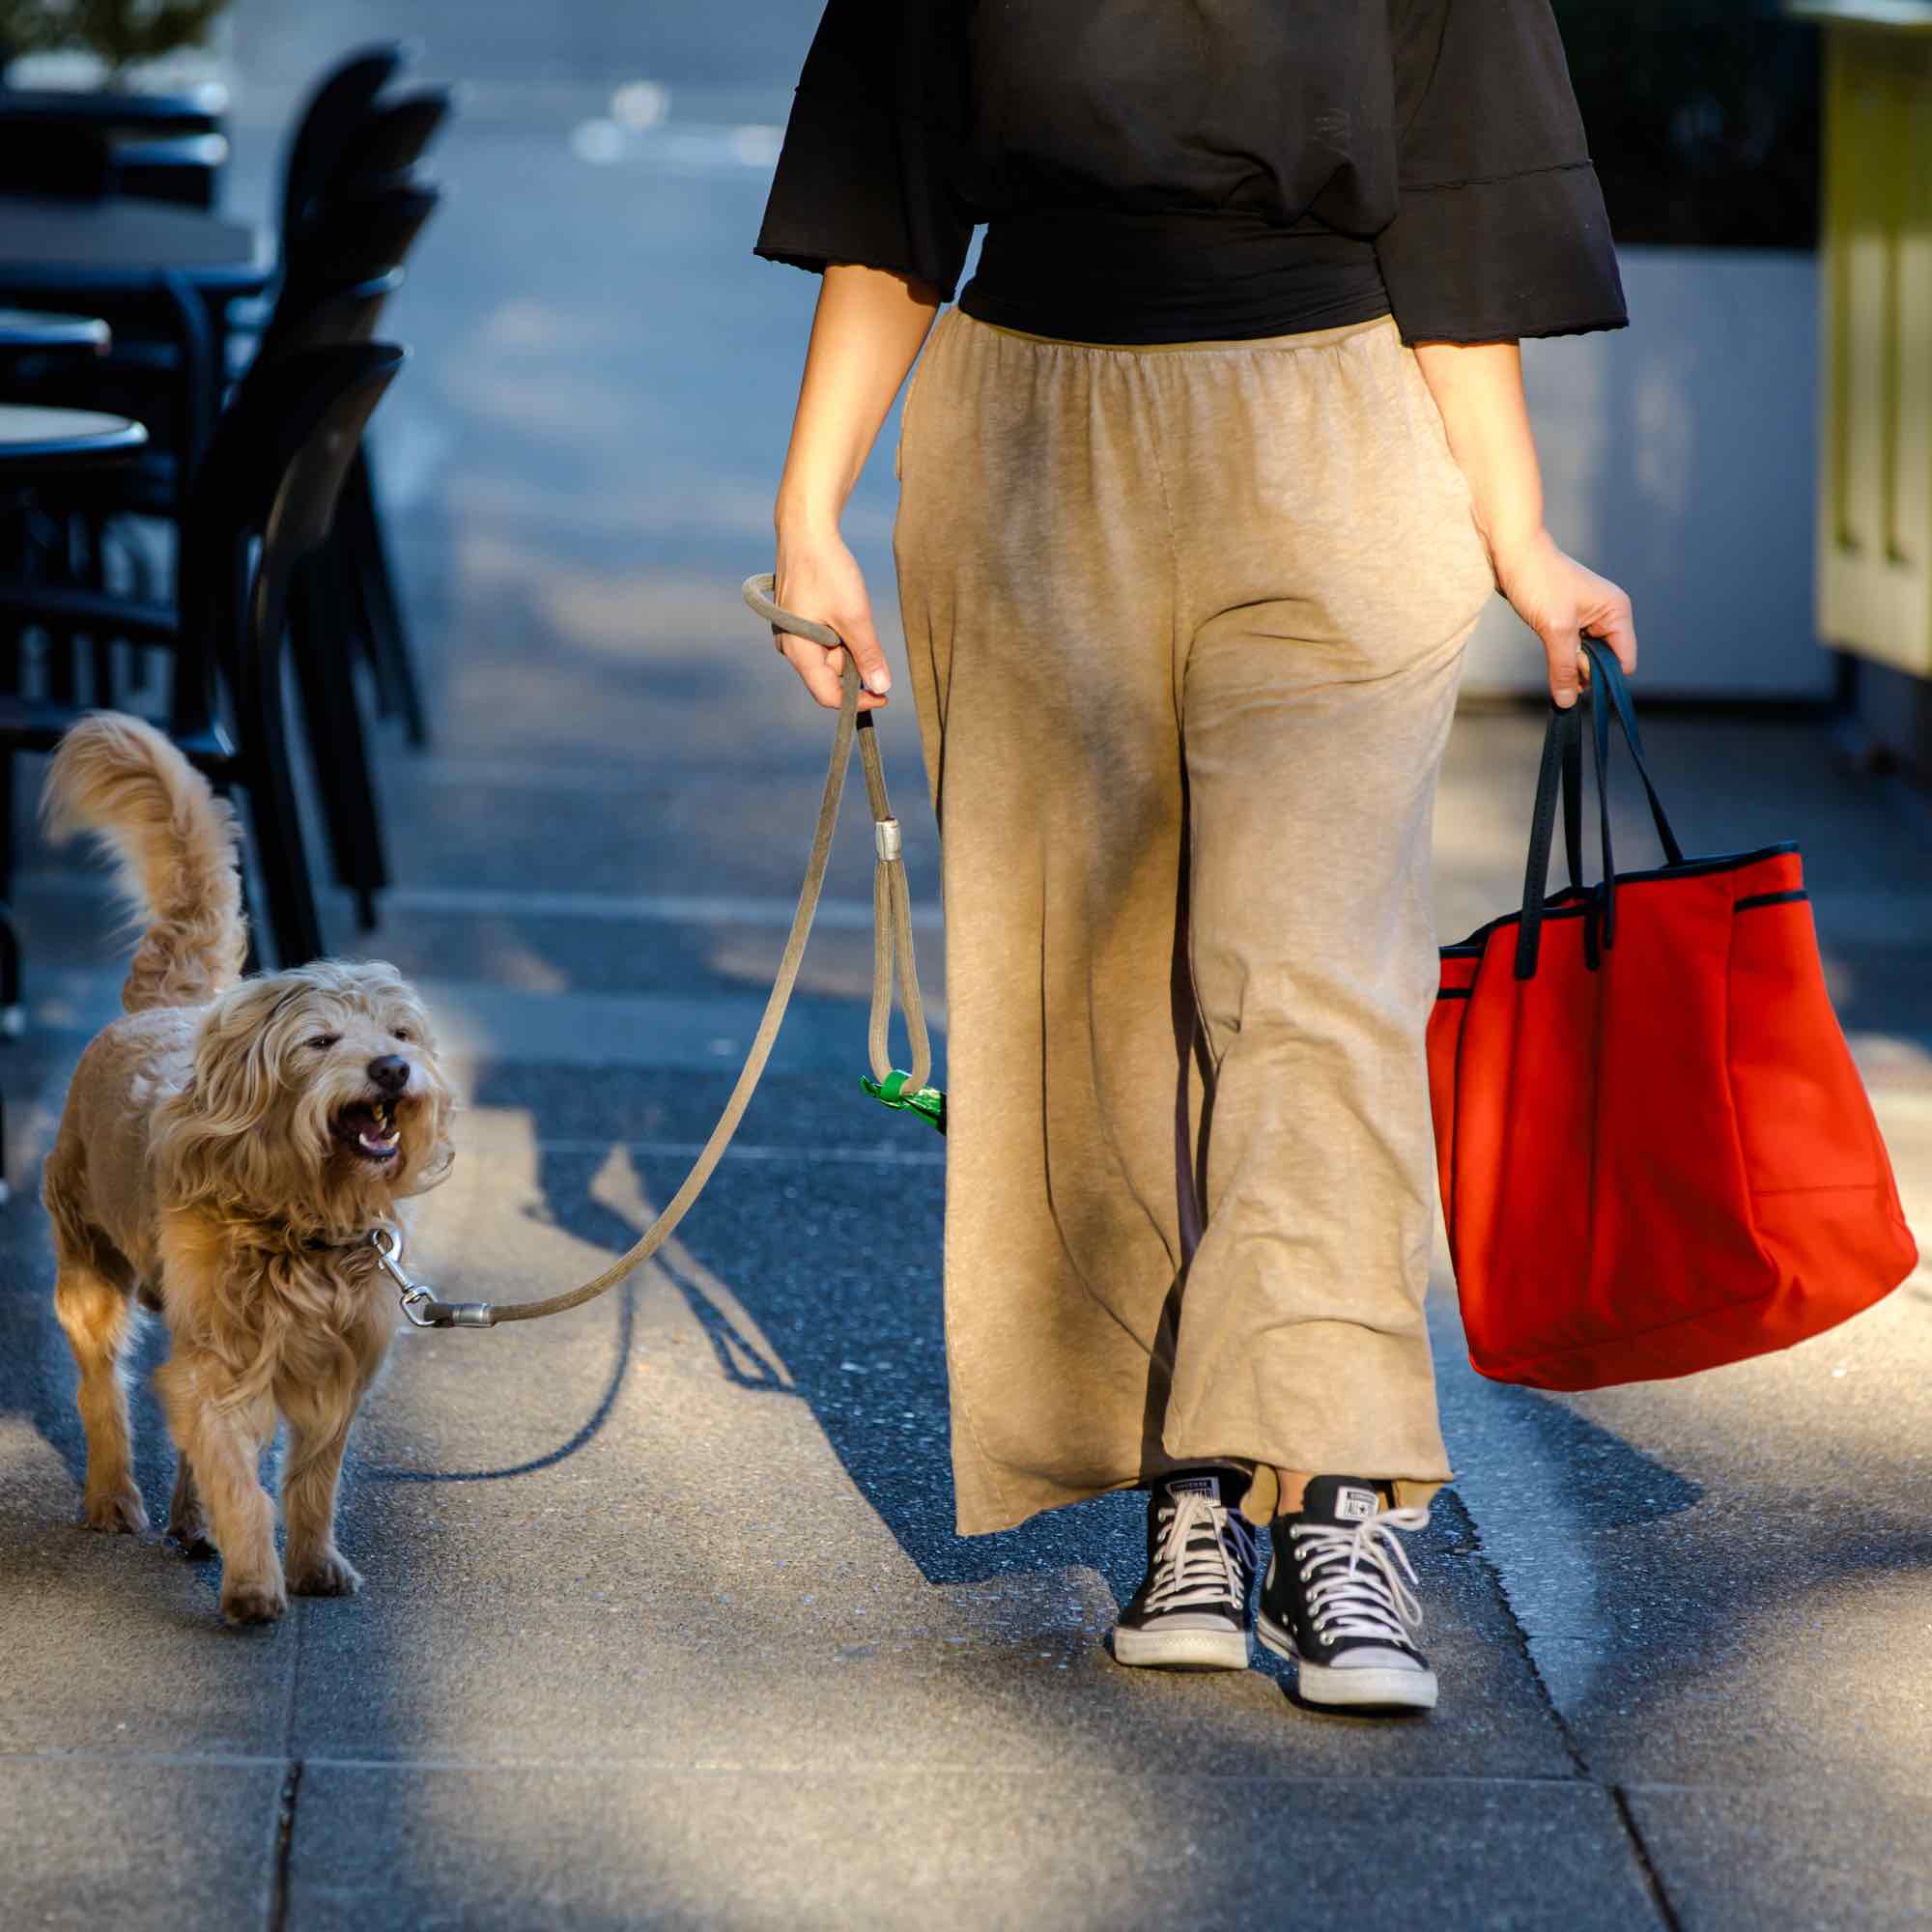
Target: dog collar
<point>370,1237</point>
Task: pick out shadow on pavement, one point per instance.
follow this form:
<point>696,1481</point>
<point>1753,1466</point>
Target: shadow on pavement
<point>855,1299</point>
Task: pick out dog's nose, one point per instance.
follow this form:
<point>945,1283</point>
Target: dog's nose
<point>391,1073</point>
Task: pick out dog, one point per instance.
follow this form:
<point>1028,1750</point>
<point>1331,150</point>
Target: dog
<point>225,1151</point>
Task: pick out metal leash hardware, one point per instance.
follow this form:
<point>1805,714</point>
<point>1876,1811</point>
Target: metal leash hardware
<point>422,1307</point>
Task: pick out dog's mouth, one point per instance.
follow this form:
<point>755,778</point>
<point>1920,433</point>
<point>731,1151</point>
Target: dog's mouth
<point>369,1129</point>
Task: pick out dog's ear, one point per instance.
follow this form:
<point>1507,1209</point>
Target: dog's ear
<point>208,1134</point>
<point>237,1056</point>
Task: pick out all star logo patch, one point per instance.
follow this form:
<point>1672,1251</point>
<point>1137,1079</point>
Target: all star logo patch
<point>1356,1505</point>
<point>1195,1485</point>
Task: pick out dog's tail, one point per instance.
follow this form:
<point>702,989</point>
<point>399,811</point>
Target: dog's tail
<point>177,849</point>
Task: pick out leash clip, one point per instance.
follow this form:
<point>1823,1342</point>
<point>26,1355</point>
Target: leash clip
<point>421,1307</point>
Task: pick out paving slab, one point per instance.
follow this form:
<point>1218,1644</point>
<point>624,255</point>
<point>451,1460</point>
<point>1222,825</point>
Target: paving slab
<point>1787,1857</point>
<point>96,1842</point>
<point>1088,1848</point>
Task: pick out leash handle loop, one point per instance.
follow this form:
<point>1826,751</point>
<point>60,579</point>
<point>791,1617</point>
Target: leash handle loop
<point>893,958</point>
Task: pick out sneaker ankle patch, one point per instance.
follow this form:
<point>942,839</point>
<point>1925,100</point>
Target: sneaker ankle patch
<point>1194,1485</point>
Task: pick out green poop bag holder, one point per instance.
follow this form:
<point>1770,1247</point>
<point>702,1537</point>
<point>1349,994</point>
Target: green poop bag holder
<point>893,964</point>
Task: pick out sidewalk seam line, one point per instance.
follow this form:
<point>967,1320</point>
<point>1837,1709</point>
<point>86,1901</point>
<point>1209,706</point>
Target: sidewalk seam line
<point>1653,1879</point>
<point>292,1777</point>
<point>1647,1872</point>
<point>1579,1767</point>
<point>285,1833</point>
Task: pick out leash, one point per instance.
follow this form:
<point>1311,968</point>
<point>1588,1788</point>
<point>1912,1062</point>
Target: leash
<point>892,963</point>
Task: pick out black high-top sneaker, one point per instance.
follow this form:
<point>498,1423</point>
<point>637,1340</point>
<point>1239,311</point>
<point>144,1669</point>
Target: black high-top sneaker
<point>1191,1611</point>
<point>1335,1601</point>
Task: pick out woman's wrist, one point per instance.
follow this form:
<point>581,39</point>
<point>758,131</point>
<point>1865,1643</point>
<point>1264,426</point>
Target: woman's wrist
<point>805,520</point>
<point>1510,547</point>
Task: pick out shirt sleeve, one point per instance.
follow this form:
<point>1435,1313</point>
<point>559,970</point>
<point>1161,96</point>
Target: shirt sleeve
<point>1500,229</point>
<point>862,172</point>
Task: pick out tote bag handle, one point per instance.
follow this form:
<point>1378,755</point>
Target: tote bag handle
<point>1562,769</point>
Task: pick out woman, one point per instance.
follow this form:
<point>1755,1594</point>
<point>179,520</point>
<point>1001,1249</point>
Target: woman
<point>1205,480</point>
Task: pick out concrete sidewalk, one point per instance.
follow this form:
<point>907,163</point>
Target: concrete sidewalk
<point>665,1620</point>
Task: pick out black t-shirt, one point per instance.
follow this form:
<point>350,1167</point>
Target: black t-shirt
<point>1192,170</point>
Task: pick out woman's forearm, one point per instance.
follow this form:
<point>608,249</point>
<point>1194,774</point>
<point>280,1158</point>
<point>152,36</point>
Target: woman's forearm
<point>1478,387</point>
<point>867,331</point>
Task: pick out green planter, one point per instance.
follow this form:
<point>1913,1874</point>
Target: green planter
<point>120,32</point>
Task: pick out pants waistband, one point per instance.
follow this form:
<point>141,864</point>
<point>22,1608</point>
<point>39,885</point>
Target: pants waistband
<point>1306,338</point>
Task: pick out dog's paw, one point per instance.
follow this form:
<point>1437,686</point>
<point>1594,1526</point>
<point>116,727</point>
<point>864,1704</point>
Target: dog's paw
<point>116,1512</point>
<point>253,1602</point>
<point>191,1540</point>
<point>329,1575</point>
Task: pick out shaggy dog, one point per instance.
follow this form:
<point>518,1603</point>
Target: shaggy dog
<point>225,1151</point>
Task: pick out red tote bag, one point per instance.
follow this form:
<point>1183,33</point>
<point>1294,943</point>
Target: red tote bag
<point>1656,1152</point>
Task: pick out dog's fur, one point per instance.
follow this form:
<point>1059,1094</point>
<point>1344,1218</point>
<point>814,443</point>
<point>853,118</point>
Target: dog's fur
<point>208,1164</point>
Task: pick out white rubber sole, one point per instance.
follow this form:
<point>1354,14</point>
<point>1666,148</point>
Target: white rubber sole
<point>1363,1688</point>
<point>1181,1649</point>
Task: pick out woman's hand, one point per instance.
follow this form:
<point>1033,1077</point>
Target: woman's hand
<point>819,578</point>
<point>1558,598</point>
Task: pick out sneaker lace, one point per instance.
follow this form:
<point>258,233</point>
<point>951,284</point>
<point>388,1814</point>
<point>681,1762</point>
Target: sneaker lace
<point>1353,1577</point>
<point>1205,1555</point>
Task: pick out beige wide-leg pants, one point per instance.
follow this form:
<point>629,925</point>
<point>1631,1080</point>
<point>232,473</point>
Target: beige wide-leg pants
<point>1185,625</point>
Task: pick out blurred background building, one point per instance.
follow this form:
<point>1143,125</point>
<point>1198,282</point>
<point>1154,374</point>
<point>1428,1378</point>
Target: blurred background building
<point>1679,453</point>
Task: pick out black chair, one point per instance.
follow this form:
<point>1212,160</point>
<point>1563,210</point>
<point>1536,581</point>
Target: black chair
<point>345,265</point>
<point>178,159</point>
<point>350,214</point>
<point>352,238</point>
<point>273,472</point>
<point>321,625</point>
<point>356,241</point>
<point>345,313</point>
<point>345,262</point>
<point>328,125</point>
<point>392,137</point>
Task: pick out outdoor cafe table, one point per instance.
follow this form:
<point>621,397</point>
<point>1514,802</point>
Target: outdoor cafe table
<point>32,332</point>
<point>34,441</point>
<point>166,266</point>
<point>120,245</point>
